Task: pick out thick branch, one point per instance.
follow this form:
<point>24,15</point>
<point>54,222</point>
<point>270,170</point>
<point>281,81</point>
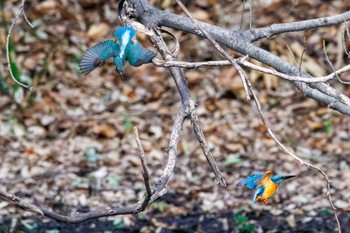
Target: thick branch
<point>279,28</point>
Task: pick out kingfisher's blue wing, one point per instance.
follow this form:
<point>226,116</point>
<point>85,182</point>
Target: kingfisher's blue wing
<point>97,55</point>
<point>138,55</point>
<point>258,192</point>
<point>251,181</point>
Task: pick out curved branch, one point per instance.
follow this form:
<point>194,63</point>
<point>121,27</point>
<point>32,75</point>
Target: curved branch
<point>9,64</point>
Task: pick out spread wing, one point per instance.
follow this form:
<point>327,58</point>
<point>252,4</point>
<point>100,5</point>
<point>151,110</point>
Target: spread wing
<point>250,181</point>
<point>138,55</point>
<point>97,55</point>
<point>255,180</point>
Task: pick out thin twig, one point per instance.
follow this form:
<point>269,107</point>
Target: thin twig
<point>208,155</point>
<point>250,15</point>
<point>293,5</point>
<point>331,65</point>
<point>302,56</point>
<point>9,64</point>
<point>21,203</point>
<point>290,51</point>
<point>145,172</point>
<point>241,72</point>
<point>25,16</point>
<point>244,62</point>
<point>242,15</point>
<point>172,149</point>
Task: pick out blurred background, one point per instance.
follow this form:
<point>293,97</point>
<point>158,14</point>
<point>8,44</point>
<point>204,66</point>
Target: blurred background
<point>68,145</point>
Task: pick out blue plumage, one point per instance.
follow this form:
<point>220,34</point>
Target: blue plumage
<point>138,55</point>
<point>124,49</point>
<point>97,55</point>
<point>258,193</point>
<point>251,181</point>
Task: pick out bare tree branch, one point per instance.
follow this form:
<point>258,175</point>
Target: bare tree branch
<point>280,28</point>
<point>145,172</point>
<point>241,42</point>
<point>172,149</point>
<point>21,203</point>
<point>244,62</point>
<point>331,65</point>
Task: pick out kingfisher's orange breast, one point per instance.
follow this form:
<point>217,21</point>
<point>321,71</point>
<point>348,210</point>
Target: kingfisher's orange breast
<point>270,188</point>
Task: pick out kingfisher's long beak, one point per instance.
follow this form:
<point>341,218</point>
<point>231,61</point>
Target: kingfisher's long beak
<point>288,177</point>
<point>121,73</point>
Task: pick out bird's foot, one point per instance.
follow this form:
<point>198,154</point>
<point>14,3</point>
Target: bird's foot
<point>265,201</point>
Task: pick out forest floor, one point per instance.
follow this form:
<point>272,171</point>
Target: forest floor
<point>69,144</point>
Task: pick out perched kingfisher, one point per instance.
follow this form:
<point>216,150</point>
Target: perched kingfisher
<point>124,49</point>
<point>264,184</point>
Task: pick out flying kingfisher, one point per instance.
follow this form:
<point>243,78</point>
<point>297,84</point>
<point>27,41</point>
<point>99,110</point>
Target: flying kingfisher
<point>124,49</point>
<point>264,184</point>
